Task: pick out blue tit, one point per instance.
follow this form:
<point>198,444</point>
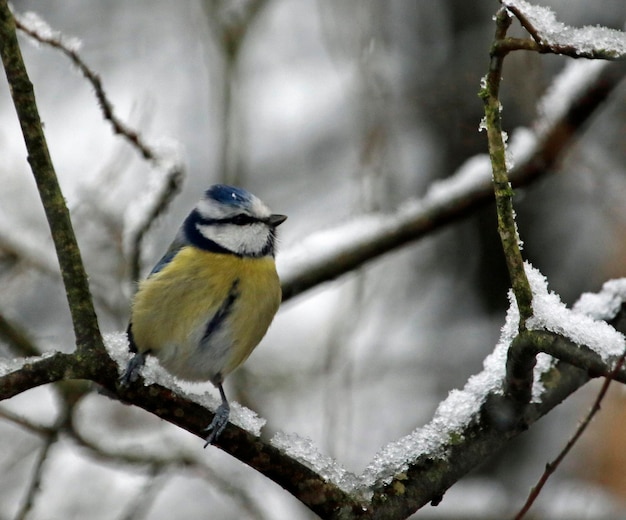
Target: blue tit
<point>210,299</point>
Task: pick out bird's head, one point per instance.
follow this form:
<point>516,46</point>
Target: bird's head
<point>233,220</point>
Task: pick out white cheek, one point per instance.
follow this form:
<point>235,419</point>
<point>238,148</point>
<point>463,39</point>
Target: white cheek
<point>250,239</point>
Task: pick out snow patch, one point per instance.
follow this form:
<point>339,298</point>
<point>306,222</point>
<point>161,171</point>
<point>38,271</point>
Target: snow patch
<point>549,313</point>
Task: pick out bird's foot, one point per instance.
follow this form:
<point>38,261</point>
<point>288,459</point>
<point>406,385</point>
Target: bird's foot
<point>219,422</point>
<point>131,373</point>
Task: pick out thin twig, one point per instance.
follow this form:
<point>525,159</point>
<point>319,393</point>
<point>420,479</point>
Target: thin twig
<point>37,429</point>
<point>170,187</point>
<point>551,467</point>
<point>139,507</point>
<point>35,482</point>
<point>17,339</point>
<point>507,227</point>
<point>174,170</point>
<point>119,127</point>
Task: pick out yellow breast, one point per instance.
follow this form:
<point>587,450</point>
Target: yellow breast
<point>173,307</point>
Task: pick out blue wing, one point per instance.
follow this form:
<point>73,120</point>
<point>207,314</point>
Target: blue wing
<point>178,243</point>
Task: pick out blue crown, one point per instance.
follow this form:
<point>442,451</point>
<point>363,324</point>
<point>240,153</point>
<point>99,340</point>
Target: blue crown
<point>229,195</point>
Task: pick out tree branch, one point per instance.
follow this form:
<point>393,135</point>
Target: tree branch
<point>34,372</point>
<point>425,478</point>
<point>303,483</point>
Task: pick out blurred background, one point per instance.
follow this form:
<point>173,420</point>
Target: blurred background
<point>326,109</point>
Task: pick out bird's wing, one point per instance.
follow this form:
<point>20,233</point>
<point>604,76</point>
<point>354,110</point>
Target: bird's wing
<point>178,243</point>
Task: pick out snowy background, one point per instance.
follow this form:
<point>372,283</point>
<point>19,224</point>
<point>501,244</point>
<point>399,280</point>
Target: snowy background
<point>331,109</point>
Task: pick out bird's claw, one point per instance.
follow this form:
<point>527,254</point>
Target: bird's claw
<point>131,374</point>
<point>218,424</point>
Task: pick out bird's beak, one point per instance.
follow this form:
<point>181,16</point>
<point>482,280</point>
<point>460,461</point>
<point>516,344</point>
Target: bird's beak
<point>276,220</point>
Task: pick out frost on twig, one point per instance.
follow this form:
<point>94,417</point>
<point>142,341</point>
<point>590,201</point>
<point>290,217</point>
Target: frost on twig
<point>36,27</point>
<point>553,36</point>
<point>586,326</point>
<point>153,203</point>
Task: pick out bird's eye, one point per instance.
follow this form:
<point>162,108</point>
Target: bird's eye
<point>242,219</point>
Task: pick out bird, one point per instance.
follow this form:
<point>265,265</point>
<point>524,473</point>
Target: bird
<point>210,299</point>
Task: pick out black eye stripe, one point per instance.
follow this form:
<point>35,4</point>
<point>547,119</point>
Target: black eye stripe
<point>242,220</point>
<point>238,220</point>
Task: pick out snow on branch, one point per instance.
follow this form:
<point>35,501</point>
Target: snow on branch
<point>117,347</point>
<point>550,35</point>
<point>474,422</point>
<point>454,415</point>
<point>605,304</point>
<point>552,315</point>
<point>306,452</point>
<point>425,463</point>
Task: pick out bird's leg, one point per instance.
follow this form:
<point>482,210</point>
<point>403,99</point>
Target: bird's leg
<point>131,373</point>
<point>220,420</point>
